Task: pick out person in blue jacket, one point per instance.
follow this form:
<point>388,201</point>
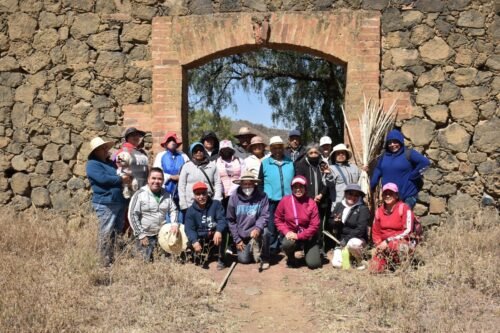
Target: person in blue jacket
<point>276,173</point>
<point>401,166</point>
<point>205,224</point>
<point>107,198</point>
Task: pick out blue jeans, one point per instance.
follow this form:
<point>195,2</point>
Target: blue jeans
<point>147,251</point>
<point>246,256</point>
<point>274,242</point>
<point>411,201</point>
<point>180,213</point>
<point>111,220</point>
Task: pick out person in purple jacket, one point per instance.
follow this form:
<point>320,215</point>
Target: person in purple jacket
<point>247,215</point>
<point>401,166</point>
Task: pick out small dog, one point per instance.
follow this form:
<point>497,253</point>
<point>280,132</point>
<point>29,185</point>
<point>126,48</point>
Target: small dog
<point>123,161</point>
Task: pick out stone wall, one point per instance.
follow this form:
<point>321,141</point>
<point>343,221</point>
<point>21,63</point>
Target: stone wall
<point>73,69</point>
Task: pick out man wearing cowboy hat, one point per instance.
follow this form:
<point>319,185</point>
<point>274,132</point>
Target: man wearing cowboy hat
<point>205,223</point>
<point>147,213</point>
<point>342,171</point>
<point>247,216</point>
<point>133,138</point>
<point>241,148</point>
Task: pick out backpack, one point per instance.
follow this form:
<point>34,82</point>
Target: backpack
<point>417,232</point>
<point>419,183</point>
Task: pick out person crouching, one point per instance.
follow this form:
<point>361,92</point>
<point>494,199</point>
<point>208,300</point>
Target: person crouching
<point>205,223</point>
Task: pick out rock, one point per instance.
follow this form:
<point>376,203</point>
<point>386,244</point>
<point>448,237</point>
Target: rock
<point>94,121</point>
<point>143,12</point>
<point>433,76</point>
<point>127,93</point>
<point>25,94</point>
<point>427,96</point>
<point>375,4</point>
<point>19,163</point>
<point>61,171</point>
<point>43,167</point>
<point>391,20</point>
<point>486,136</point>
<point>404,57</point>
<point>6,97</point>
<point>435,51</point>
<point>20,183</point>
<point>19,115</point>
<point>100,101</point>
<point>462,205</point>
<point>60,135</point>
<point>85,25</point>
<point>51,153</point>
<point>454,137</point>
<point>21,26</point>
<point>471,19</point>
<point>412,18</point>
<point>432,175</point>
<point>40,197</point>
<point>61,200</point>
<point>110,64</point>
<point>420,209</point>
<point>76,184</point>
<point>48,20</point>
<point>8,6</point>
<point>464,76</point>
<point>475,93</point>
<point>82,93</point>
<point>464,57</point>
<point>488,167</point>
<point>45,40</point>
<point>37,180</point>
<point>11,79</point>
<point>200,7</point>
<point>421,34</point>
<point>419,131</point>
<point>429,221</point>
<point>443,189</point>
<point>20,203</point>
<point>488,110</point>
<point>5,196</point>
<point>476,158</point>
<point>105,41</point>
<point>493,62</point>
<point>449,92</point>
<point>398,80</point>
<point>438,114</point>
<point>464,111</point>
<point>458,4</point>
<point>68,152</point>
<point>8,64</point>
<point>135,33</point>
<point>75,52</point>
<point>429,6</point>
<point>437,205</point>
<point>35,62</point>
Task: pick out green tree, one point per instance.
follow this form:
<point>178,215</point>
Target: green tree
<point>304,91</point>
<point>204,120</point>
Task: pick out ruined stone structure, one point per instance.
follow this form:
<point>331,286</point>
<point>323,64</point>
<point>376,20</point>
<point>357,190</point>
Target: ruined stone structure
<point>74,69</point>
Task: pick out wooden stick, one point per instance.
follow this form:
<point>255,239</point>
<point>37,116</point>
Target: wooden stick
<point>224,281</point>
<point>331,236</point>
<point>350,137</point>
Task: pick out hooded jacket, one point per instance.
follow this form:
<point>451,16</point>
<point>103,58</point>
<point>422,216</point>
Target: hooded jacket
<point>200,223</point>
<point>147,215</point>
<point>215,152</point>
<point>398,169</point>
<point>356,222</point>
<point>317,183</point>
<point>244,214</point>
<point>307,223</point>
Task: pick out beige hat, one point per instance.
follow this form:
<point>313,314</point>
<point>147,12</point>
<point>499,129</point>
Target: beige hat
<point>256,140</point>
<point>341,147</point>
<point>247,175</point>
<point>244,131</point>
<point>98,142</point>
<point>170,242</point>
<point>276,140</point>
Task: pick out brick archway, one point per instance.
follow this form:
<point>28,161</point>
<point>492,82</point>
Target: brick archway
<point>180,43</point>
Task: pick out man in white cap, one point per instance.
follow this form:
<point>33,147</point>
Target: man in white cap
<point>147,213</point>
<point>241,148</point>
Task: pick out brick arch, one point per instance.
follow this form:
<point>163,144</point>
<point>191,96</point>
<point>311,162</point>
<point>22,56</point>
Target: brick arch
<point>180,43</point>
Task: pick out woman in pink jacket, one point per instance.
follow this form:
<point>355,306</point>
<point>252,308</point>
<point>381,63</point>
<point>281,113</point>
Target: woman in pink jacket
<point>297,220</point>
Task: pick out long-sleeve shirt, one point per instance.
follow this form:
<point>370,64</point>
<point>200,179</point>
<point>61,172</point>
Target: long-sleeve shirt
<point>106,184</point>
<point>190,174</point>
<point>200,223</point>
<point>305,224</point>
<point>393,226</point>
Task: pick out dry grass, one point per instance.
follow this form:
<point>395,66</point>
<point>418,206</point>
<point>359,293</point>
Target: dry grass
<point>51,282</point>
<point>455,288</point>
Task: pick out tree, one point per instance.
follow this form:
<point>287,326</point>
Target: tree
<point>305,91</point>
<point>204,120</point>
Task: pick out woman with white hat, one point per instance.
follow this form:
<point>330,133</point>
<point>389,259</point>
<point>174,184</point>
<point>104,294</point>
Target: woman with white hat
<point>257,149</point>
<point>107,198</point>
<point>230,167</point>
<point>343,172</point>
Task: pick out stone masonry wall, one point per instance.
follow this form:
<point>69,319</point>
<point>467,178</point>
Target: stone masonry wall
<point>74,69</point>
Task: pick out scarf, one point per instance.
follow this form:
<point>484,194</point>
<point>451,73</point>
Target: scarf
<point>347,209</point>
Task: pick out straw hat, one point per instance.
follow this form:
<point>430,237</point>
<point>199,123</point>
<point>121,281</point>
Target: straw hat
<point>256,140</point>
<point>244,131</point>
<point>98,142</point>
<point>247,175</point>
<point>276,140</point>
<point>341,147</point>
<point>170,242</point>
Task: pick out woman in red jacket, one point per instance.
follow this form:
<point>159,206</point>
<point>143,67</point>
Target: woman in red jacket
<point>297,220</point>
<point>391,230</point>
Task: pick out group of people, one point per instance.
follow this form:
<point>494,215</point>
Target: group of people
<point>257,200</point>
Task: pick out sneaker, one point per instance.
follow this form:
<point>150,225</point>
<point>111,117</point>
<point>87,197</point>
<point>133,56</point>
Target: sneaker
<point>264,265</point>
<point>299,254</point>
<point>362,265</point>
<point>220,265</point>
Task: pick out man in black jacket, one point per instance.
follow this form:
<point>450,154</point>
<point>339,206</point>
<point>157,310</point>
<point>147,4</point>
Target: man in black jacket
<point>295,151</point>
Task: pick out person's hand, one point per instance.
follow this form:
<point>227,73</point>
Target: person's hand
<point>255,233</point>
<point>240,246</point>
<point>145,241</point>
<point>382,246</point>
<point>197,247</point>
<point>365,168</point>
<point>174,228</point>
<point>291,235</point>
<point>174,178</point>
<point>217,238</point>
<point>126,179</point>
<point>318,197</point>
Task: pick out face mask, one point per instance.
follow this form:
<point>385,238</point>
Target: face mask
<point>248,191</point>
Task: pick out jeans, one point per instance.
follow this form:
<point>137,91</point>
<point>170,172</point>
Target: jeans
<point>246,256</point>
<point>411,201</point>
<point>311,250</point>
<point>111,221</point>
<point>147,251</point>
<point>274,241</point>
<point>180,213</point>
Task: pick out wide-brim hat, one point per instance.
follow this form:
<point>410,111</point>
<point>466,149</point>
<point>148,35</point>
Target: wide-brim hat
<point>354,187</point>
<point>276,140</point>
<point>132,130</point>
<point>244,131</point>
<point>98,142</point>
<point>247,175</point>
<point>170,135</point>
<point>342,147</point>
<point>226,144</point>
<point>170,242</point>
<point>256,140</point>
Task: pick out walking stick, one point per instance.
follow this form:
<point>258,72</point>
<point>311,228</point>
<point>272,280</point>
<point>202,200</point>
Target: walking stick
<point>224,281</point>
<point>331,236</point>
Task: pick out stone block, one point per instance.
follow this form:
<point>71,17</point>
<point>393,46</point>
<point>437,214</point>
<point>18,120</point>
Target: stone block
<point>464,76</point>
<point>110,64</point>
<point>449,92</point>
<point>135,33</point>
<point>127,93</point>
<point>475,93</point>
<point>436,51</point>
<point>8,63</point>
<point>438,114</point>
<point>85,25</point>
<point>420,131</point>
<point>21,26</point>
<point>404,57</point>
<point>435,75</point>
<point>20,202</point>
<point>19,163</point>
<point>105,41</point>
<point>454,137</point>
<point>20,183</point>
<point>40,197</point>
<point>35,62</point>
<point>75,52</point>
<point>45,40</point>
<point>471,19</point>
<point>430,6</point>
<point>464,111</point>
<point>398,80</point>
<point>427,96</point>
<point>51,153</point>
<point>486,136</point>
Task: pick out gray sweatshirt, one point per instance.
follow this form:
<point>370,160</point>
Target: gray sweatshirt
<point>191,174</point>
<point>351,174</point>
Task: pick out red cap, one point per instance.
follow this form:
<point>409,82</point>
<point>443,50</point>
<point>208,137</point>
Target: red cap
<point>170,135</point>
<point>200,186</point>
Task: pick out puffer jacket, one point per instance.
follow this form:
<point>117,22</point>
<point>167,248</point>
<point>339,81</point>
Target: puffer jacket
<point>355,224</point>
<point>147,215</point>
<point>191,174</point>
